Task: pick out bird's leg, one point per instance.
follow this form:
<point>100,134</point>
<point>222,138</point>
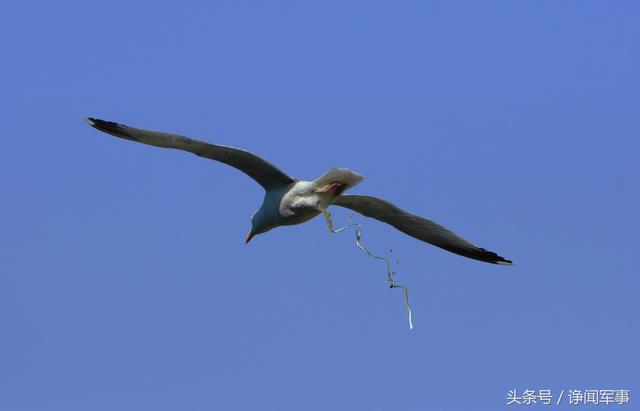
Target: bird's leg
<point>390,274</point>
<point>335,188</point>
<point>327,187</point>
<point>327,217</point>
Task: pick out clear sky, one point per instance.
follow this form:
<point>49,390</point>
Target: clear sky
<point>125,283</point>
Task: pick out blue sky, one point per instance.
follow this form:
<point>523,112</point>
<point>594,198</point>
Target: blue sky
<point>125,282</point>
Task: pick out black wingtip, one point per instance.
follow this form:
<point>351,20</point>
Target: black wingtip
<point>504,261</point>
<point>480,254</point>
<point>110,127</point>
<point>101,124</point>
<point>491,257</point>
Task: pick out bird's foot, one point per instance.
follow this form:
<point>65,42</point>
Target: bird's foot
<point>335,188</point>
<point>327,217</point>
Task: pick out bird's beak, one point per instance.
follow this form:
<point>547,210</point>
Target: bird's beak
<point>249,237</point>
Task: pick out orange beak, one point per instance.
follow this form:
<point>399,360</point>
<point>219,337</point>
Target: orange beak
<point>249,237</point>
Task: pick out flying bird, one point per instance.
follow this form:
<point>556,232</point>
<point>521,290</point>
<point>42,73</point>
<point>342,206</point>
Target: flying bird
<point>290,201</point>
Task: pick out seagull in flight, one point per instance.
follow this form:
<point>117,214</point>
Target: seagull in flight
<point>290,201</point>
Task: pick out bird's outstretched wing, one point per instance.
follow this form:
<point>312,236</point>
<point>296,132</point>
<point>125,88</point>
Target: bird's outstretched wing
<point>265,173</point>
<point>417,227</point>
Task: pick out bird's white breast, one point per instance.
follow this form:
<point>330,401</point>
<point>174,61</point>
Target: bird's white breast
<point>301,195</point>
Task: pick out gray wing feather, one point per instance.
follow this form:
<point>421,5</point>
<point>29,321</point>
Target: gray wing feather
<point>265,173</point>
<point>417,227</point>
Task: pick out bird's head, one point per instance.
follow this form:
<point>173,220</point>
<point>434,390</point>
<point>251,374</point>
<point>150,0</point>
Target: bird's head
<point>260,223</point>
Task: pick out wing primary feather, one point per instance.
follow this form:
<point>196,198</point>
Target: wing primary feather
<point>263,172</point>
<point>417,227</point>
